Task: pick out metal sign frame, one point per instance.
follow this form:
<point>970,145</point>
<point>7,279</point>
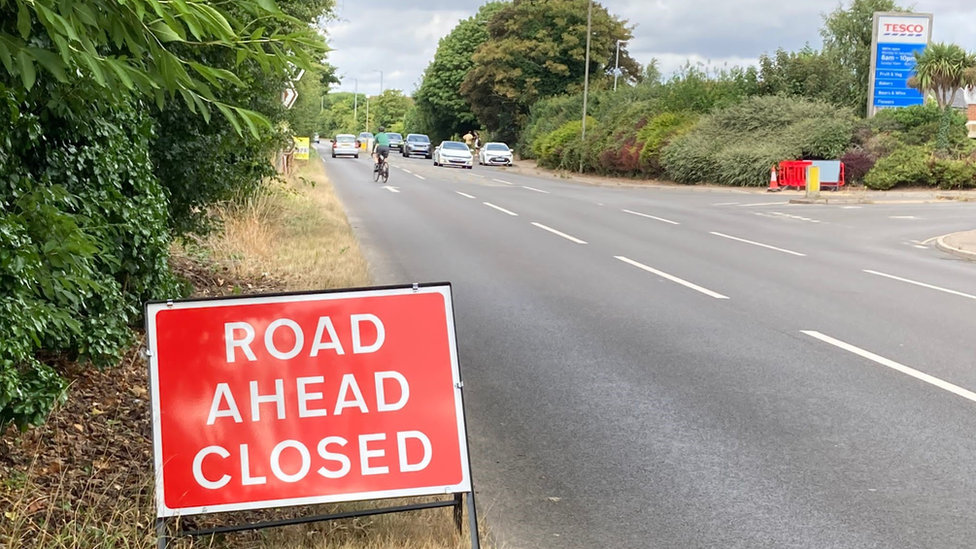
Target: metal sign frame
<point>872,75</point>
<point>458,501</point>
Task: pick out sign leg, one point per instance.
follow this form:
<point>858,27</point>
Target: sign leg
<point>162,540</point>
<point>459,513</point>
<point>473,521</point>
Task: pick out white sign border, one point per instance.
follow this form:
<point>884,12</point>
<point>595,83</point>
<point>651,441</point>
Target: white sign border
<point>444,289</point>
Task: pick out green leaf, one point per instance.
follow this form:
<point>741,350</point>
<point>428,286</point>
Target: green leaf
<point>51,62</point>
<point>269,5</point>
<point>5,57</point>
<point>218,19</point>
<point>231,117</point>
<point>164,33</point>
<point>120,71</point>
<point>27,72</point>
<point>23,21</point>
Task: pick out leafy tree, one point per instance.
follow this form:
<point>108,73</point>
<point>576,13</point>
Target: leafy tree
<point>537,50</point>
<point>442,110</point>
<point>84,226</point>
<point>806,73</point>
<point>847,34</point>
<point>140,47</point>
<point>942,69</point>
<point>389,108</point>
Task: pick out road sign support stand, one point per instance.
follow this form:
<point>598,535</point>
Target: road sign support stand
<point>457,502</point>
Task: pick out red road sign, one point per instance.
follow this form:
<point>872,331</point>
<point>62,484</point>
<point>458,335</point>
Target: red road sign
<point>306,398</point>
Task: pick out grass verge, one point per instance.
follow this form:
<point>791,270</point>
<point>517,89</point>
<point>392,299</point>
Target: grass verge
<point>84,479</point>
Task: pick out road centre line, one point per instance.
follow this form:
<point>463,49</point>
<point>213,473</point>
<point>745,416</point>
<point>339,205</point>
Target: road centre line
<point>922,376</point>
<point>727,204</point>
<point>391,189</point>
<point>419,176</point>
<point>760,244</point>
<point>559,233</point>
<point>501,181</point>
<point>536,190</point>
<point>922,284</point>
<point>476,175</point>
<point>763,204</point>
<point>499,208</point>
<point>661,219</point>
<point>672,278</point>
<point>466,195</point>
<point>406,170</point>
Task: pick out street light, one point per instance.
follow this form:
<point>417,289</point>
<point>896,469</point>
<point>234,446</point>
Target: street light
<point>586,81</point>
<point>381,81</point>
<point>616,70</point>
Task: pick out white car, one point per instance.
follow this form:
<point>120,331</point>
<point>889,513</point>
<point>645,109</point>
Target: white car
<point>495,154</point>
<point>344,144</point>
<point>453,153</point>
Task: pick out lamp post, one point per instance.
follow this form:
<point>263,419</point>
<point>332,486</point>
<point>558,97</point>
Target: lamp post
<point>586,81</point>
<point>616,70</point>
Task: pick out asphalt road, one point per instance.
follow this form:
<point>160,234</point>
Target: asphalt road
<point>679,368</point>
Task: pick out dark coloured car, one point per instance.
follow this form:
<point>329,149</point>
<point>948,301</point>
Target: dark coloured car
<point>417,143</point>
<point>396,142</point>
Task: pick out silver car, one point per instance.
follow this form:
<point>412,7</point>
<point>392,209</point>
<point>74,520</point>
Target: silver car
<point>453,153</point>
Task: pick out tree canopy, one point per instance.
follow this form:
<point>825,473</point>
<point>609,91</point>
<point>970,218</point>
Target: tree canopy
<point>847,33</point>
<point>537,50</point>
<point>442,110</point>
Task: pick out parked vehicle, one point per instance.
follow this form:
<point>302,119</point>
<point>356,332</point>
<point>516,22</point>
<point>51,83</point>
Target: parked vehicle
<point>396,142</point>
<point>417,143</point>
<point>453,153</point>
<point>345,144</point>
<point>495,154</point>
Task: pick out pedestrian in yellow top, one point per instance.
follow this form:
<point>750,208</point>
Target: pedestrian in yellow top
<point>469,139</point>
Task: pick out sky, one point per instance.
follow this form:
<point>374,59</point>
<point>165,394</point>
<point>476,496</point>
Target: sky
<point>400,39</point>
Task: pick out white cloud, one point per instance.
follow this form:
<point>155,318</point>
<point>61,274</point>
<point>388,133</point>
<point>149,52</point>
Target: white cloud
<point>402,41</point>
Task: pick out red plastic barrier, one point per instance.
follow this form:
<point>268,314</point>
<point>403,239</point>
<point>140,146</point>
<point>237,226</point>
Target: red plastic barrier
<point>793,173</point>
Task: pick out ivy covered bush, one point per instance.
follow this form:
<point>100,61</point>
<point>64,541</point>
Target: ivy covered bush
<point>83,238</point>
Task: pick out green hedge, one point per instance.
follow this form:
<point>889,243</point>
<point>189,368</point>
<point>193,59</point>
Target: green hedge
<point>738,145</point>
<point>919,167</point>
<point>83,238</point>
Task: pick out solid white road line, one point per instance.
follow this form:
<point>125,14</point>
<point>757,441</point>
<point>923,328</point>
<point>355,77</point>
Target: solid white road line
<point>901,217</point>
<point>922,284</point>
<point>466,195</point>
<point>419,176</point>
<point>672,278</point>
<point>762,204</point>
<point>933,239</point>
<point>919,246</point>
<point>562,234</point>
<point>499,208</point>
<point>501,181</point>
<point>652,217</point>
<point>932,380</point>
<point>761,245</point>
<point>727,204</point>
<point>391,189</point>
<point>536,190</point>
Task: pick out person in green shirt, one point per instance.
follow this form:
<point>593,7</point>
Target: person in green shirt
<point>381,147</point>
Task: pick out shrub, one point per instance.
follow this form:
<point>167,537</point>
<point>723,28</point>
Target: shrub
<point>737,145</point>
<point>905,166</point>
<point>83,238</point>
<point>857,163</point>
<point>658,133</point>
<point>951,173</point>
<point>549,148</point>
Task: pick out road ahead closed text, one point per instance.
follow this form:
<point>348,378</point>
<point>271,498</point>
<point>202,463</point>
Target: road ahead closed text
<point>306,398</point>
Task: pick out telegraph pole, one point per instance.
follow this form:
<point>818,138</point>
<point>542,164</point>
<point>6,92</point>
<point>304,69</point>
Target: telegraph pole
<point>586,81</point>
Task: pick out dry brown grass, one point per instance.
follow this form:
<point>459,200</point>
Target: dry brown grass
<point>84,479</point>
<point>297,232</point>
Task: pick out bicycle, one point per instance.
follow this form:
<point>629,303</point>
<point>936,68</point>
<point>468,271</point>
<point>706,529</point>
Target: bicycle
<point>381,169</point>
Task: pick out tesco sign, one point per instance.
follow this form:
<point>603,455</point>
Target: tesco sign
<point>903,29</point>
<point>305,398</point>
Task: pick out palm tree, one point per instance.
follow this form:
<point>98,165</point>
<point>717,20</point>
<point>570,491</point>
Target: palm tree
<point>942,70</point>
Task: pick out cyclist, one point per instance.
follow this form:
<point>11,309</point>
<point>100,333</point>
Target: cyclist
<point>381,148</point>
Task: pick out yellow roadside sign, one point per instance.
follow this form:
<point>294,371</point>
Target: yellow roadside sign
<point>301,148</point>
